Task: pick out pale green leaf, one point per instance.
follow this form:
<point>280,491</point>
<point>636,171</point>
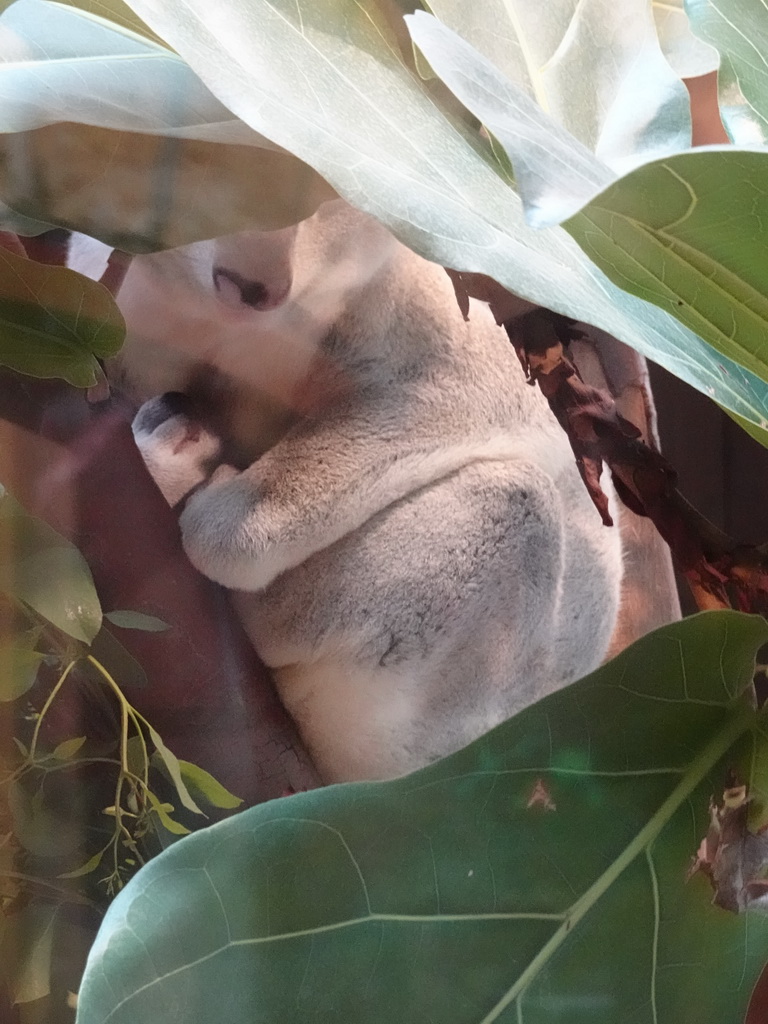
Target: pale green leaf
<point>162,810</point>
<point>209,788</point>
<point>687,234</point>
<point>30,974</point>
<point>117,12</point>
<point>625,107</point>
<point>450,896</point>
<point>43,828</point>
<point>688,55</point>
<point>171,763</point>
<point>39,567</point>
<point>556,174</point>
<point>738,29</point>
<point>137,620</point>
<point>118,661</point>
<point>675,232</point>
<point>68,748</point>
<point>54,322</point>
<point>18,670</point>
<point>85,869</point>
<point>112,134</point>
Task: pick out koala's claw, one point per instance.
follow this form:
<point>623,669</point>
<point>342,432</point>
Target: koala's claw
<point>179,452</point>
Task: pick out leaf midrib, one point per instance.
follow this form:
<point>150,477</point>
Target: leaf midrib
<point>742,719</point>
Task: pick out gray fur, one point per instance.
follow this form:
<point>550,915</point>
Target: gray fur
<point>401,522</point>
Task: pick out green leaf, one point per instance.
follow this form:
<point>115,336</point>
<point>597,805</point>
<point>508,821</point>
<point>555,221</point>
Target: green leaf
<point>18,670</point>
<point>327,81</point>
<point>171,763</point>
<point>556,174</point>
<point>136,620</point>
<point>42,569</point>
<point>54,322</point>
<point>85,869</point>
<point>120,663</point>
<point>68,748</point>
<point>626,107</point>
<point>162,811</point>
<point>199,780</point>
<point>30,974</point>
<point>42,828</point>
<point>688,55</point>
<point>450,895</point>
<point>118,13</point>
<point>109,133</point>
<point>686,233</point>
<point>738,29</point>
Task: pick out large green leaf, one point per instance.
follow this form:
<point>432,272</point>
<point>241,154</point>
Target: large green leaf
<point>687,233</point>
<point>327,80</point>
<point>654,235</point>
<point>536,876</point>
<point>110,133</point>
<point>739,30</point>
<point>54,322</point>
<point>624,108</point>
<point>44,571</point>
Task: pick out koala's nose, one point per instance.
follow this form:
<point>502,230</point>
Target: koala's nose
<point>237,291</point>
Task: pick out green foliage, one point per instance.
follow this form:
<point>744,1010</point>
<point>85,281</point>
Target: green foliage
<point>136,620</point>
<point>55,323</point>
<point>537,875</point>
<point>48,575</point>
<point>80,815</point>
<point>122,140</point>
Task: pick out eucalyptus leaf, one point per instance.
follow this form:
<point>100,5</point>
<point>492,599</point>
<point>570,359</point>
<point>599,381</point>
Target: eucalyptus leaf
<point>327,81</point>
<point>555,173</point>
<point>738,29</point>
<point>75,91</point>
<point>54,322</point>
<point>67,749</point>
<point>117,12</point>
<point>171,763</point>
<point>85,869</point>
<point>203,783</point>
<point>687,234</point>
<point>626,107</point>
<point>32,952</point>
<point>163,812</point>
<point>18,670</point>
<point>126,619</point>
<point>41,569</point>
<point>119,662</point>
<point>688,55</point>
<point>41,828</point>
<point>537,875</point>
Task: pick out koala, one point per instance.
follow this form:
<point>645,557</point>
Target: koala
<point>396,514</point>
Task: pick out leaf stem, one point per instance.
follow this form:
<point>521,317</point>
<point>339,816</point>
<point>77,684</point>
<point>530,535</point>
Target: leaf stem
<point>43,711</point>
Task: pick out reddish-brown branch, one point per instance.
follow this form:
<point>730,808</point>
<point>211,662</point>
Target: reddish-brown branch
<point>719,572</point>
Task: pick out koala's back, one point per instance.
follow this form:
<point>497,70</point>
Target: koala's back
<point>439,618</point>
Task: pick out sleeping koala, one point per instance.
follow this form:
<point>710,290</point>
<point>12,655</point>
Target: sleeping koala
<point>397,515</point>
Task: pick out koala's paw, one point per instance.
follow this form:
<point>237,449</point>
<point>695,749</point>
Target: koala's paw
<point>179,452</point>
